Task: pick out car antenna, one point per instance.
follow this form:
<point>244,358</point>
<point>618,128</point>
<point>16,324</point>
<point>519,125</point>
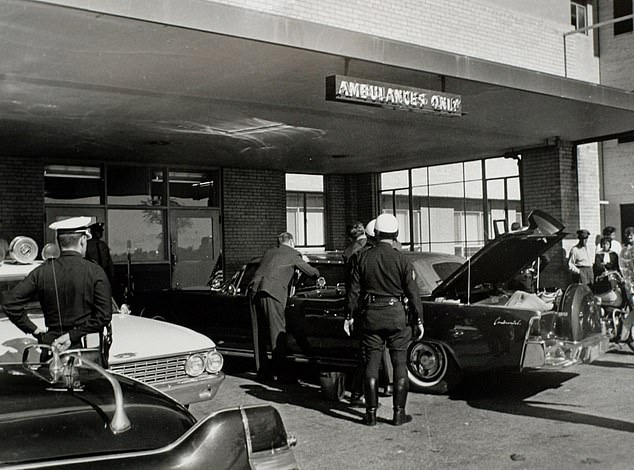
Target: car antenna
<point>469,281</point>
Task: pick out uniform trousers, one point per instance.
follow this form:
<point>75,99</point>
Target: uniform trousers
<point>397,341</point>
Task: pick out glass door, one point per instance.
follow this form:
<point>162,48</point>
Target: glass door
<point>195,246</point>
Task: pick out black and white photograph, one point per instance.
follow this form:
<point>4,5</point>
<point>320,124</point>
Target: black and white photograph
<point>288,234</point>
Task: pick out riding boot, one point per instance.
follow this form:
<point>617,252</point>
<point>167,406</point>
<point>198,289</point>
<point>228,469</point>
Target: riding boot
<point>371,392</point>
<point>399,398</point>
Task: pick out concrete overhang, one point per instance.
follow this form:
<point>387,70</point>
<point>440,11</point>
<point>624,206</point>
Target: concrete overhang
<point>199,83</point>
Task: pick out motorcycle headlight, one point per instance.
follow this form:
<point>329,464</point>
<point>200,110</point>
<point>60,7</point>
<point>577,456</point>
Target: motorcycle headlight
<point>195,365</point>
<point>214,362</point>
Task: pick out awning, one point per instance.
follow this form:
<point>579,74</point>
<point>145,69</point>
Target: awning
<point>190,83</point>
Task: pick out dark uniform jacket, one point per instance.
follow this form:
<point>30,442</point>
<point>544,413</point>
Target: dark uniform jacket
<point>84,298</point>
<point>97,250</point>
<point>276,270</point>
<point>380,276</point>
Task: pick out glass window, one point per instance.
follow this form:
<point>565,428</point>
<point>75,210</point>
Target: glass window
<point>64,184</point>
<point>473,170</point>
<point>138,232</point>
<point>498,167</point>
<point>446,173</point>
<point>448,191</point>
<point>305,210</point>
<point>513,189</point>
<point>395,180</point>
<point>314,220</point>
<point>304,183</point>
<point>578,15</point>
<point>190,188</point>
<point>133,185</point>
<point>448,207</point>
<point>419,177</point>
<point>622,8</point>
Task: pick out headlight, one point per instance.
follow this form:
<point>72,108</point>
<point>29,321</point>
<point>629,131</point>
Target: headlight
<point>214,362</point>
<point>195,365</point>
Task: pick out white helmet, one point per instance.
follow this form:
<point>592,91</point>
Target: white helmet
<point>369,229</point>
<point>387,226</point>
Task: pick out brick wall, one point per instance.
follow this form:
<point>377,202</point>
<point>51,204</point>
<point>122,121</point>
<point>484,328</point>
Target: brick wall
<point>549,183</point>
<point>348,198</point>
<point>22,199</point>
<point>491,30</point>
<point>617,160</point>
<point>254,213</point>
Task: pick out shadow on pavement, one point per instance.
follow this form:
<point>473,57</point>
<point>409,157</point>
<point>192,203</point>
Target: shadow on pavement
<point>509,393</point>
<point>305,395</point>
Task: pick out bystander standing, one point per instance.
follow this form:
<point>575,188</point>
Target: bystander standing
<point>269,291</point>
<point>580,260</point>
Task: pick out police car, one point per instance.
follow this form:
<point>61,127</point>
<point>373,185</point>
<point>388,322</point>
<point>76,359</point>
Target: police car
<point>176,360</point>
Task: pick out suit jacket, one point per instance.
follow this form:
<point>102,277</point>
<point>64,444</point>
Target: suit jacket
<point>275,272</point>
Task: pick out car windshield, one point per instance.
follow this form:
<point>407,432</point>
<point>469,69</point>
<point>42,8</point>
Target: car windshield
<point>431,272</point>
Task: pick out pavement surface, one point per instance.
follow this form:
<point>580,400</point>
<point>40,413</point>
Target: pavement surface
<point>579,418</point>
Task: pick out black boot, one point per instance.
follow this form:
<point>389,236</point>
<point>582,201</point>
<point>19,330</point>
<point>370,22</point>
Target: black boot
<point>401,387</point>
<point>370,417</point>
<point>371,392</point>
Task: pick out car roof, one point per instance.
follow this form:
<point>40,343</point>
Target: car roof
<point>74,422</point>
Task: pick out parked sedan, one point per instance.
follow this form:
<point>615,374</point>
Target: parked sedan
<point>181,362</point>
<point>71,413</point>
<point>472,322</point>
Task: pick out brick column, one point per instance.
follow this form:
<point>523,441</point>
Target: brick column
<point>22,198</point>
<point>254,213</point>
<point>549,183</point>
<point>348,198</point>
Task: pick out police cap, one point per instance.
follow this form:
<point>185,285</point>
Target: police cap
<point>73,225</point>
<point>386,226</point>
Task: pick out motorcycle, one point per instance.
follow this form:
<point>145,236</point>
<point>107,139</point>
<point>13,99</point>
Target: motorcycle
<point>615,297</point>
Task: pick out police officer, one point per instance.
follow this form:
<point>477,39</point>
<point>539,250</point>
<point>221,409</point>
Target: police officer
<point>74,293</point>
<point>381,279</point>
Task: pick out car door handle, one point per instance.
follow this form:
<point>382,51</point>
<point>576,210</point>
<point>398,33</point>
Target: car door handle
<point>456,333</point>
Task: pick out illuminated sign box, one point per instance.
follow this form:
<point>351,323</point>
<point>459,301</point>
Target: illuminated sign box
<point>388,95</point>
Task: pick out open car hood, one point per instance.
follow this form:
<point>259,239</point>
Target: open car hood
<point>504,256</point>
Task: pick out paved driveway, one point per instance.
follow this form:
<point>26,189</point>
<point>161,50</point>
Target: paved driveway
<point>580,418</point>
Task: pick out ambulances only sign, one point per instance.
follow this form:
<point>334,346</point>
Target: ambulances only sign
<point>388,95</point>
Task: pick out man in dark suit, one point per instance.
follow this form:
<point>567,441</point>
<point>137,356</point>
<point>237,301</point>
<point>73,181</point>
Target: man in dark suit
<point>269,291</point>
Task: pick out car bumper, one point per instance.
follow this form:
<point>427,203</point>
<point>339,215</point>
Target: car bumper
<point>194,389</point>
<point>558,354</point>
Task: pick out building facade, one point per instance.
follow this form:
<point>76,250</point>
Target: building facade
<point>244,82</point>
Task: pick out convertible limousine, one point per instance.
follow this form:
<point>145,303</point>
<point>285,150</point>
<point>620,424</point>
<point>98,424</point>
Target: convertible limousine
<point>473,323</point>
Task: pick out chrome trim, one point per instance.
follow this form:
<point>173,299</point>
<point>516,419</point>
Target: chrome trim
<point>558,354</point>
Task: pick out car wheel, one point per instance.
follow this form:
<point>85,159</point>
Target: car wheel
<point>431,369</point>
<point>583,313</point>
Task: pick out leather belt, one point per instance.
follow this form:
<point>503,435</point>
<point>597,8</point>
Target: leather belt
<point>383,299</point>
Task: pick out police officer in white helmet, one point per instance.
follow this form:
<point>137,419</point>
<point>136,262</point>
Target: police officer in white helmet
<point>381,279</point>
